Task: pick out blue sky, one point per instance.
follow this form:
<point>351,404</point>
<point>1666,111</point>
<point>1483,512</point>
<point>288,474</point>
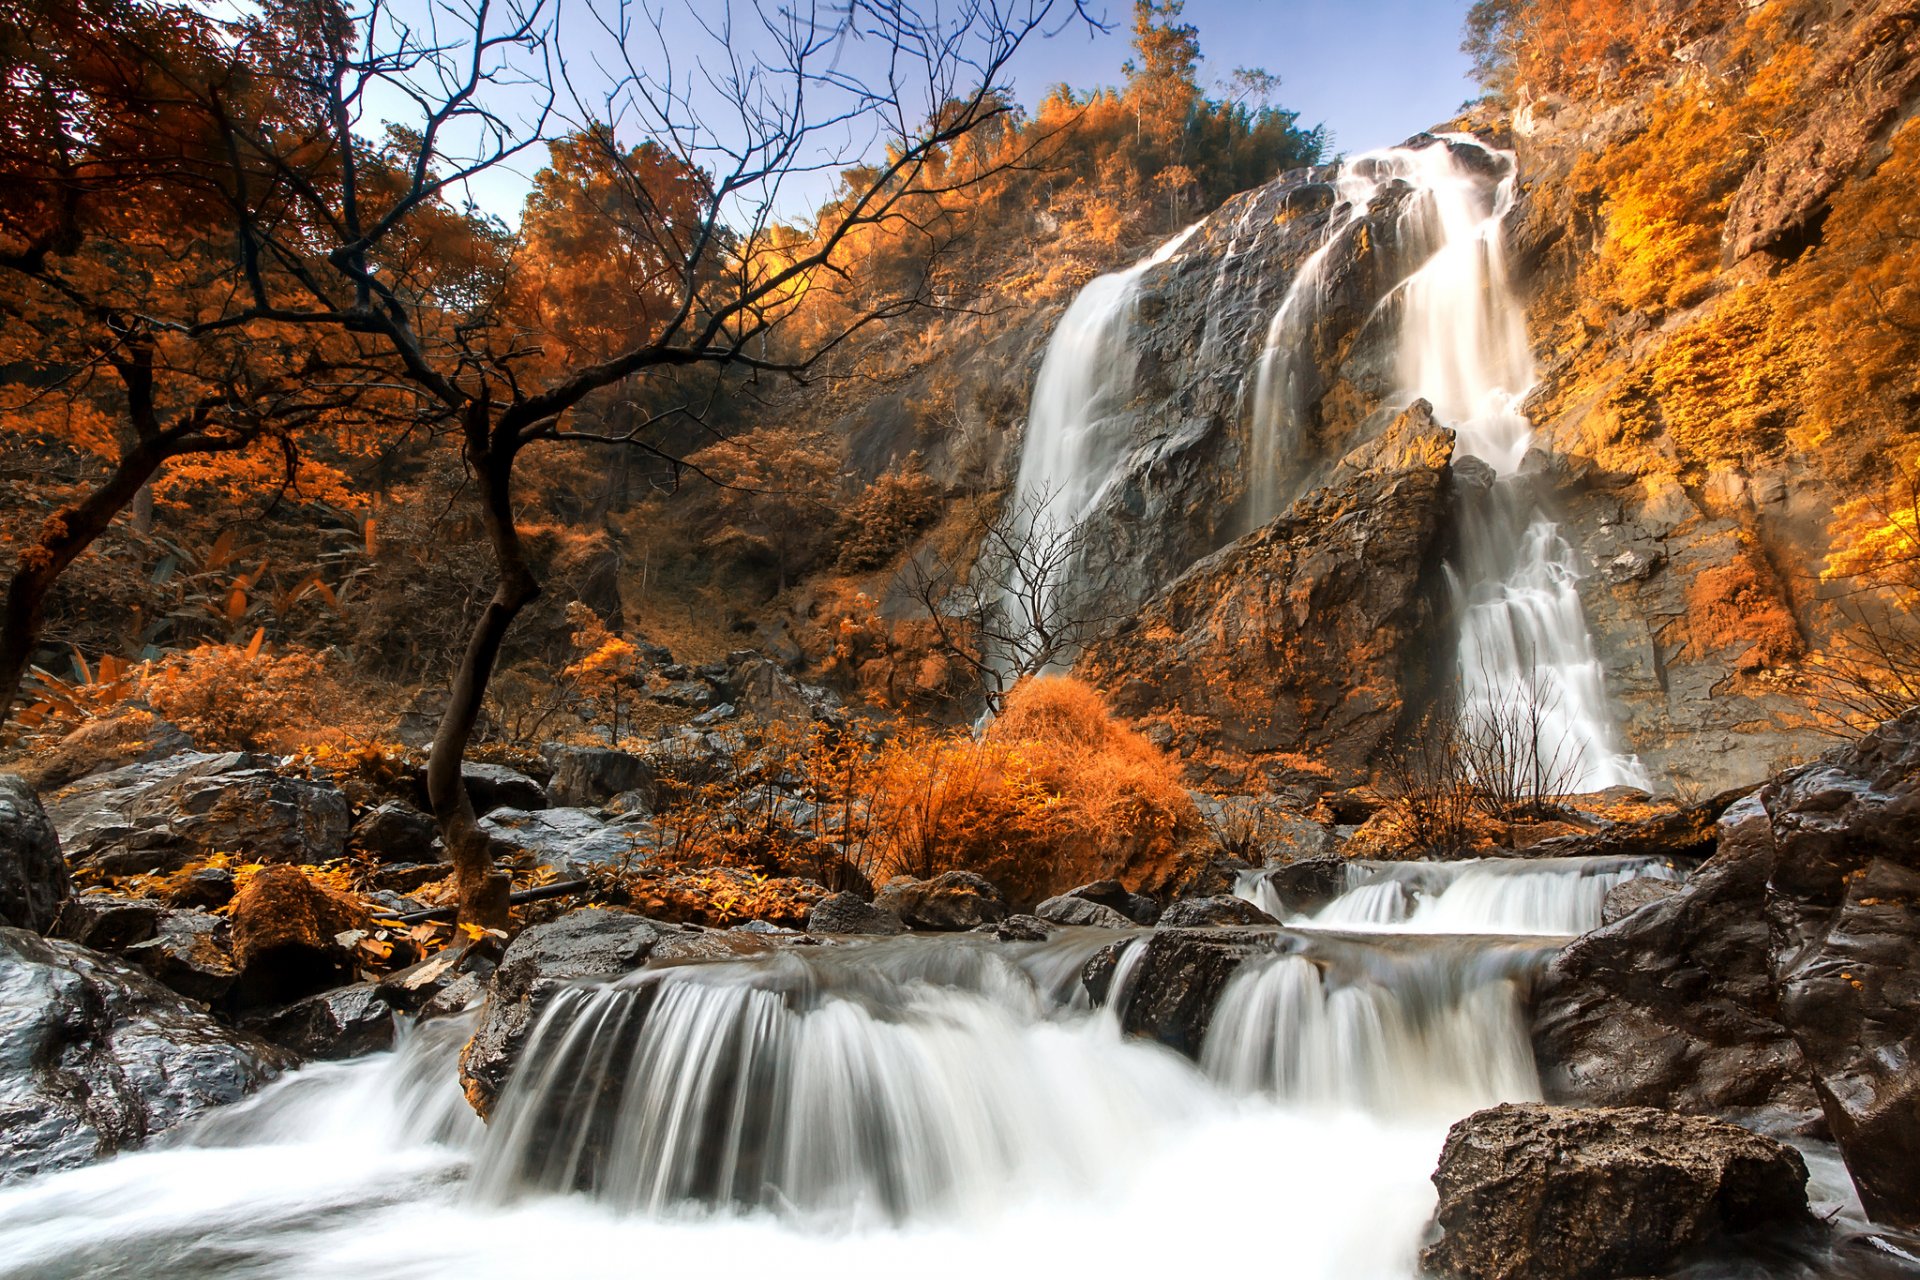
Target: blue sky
<point>1373,71</point>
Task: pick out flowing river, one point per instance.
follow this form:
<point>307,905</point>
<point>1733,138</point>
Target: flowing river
<point>914,1106</point>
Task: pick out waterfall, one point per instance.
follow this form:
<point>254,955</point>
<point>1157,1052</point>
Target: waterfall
<point>1555,897</point>
<point>1528,673</point>
<point>1074,445</point>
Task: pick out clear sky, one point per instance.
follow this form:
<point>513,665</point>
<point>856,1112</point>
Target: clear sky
<point>1373,71</point>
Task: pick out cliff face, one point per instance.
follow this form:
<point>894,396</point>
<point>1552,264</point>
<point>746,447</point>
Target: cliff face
<point>1674,425</point>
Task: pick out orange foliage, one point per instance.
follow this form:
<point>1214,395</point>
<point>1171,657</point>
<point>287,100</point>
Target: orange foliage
<point>1738,606</point>
<point>1057,793</point>
<point>231,697</point>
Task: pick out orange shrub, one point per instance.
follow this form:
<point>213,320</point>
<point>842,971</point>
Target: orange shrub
<point>1057,793</point>
<point>235,697</point>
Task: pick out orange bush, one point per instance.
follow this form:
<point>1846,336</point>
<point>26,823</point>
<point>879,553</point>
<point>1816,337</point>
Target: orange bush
<point>1057,793</point>
<point>235,697</point>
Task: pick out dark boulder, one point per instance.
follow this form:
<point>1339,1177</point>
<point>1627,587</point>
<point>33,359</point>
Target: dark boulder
<point>1177,981</point>
<point>591,777</point>
<point>1138,908</point>
<point>398,833</point>
<point>1531,1192</point>
<point>188,951</point>
<point>288,937</point>
<point>1067,909</point>
<point>1305,887</point>
<point>1020,928</point>
<point>33,874</point>
<point>165,814</point>
<point>1674,1006</point>
<point>951,902</point>
<point>586,944</point>
<point>96,1057</point>
<point>1624,899</point>
<point>1215,912</point>
<point>417,986</point>
<point>495,786</point>
<point>208,888</point>
<point>343,1023</point>
<point>849,913</point>
<point>108,922</point>
<point>575,841</point>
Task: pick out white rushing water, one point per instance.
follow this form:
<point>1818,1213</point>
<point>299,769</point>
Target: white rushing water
<point>1075,445</point>
<point>1527,664</point>
<point>932,1107</point>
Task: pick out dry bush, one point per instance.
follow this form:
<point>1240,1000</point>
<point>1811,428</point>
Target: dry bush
<point>1057,793</point>
<point>894,509</point>
<point>233,697</point>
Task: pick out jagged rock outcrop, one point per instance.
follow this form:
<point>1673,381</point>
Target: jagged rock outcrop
<point>1864,83</point>
<point>590,777</point>
<point>165,814</point>
<point>1778,985</point>
<point>33,874</point>
<point>1308,635</point>
<point>96,1057</point>
<point>1554,1193</point>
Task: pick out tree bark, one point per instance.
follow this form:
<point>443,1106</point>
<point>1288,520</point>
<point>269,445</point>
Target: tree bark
<point>482,890</point>
<point>67,534</point>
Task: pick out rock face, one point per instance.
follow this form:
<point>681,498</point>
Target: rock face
<point>1301,636</point>
<point>343,1023</point>
<point>494,786</point>
<point>850,913</point>
<point>33,874</point>
<point>96,1057</point>
<point>951,902</point>
<point>1861,87</point>
<point>162,815</point>
<point>585,944</point>
<point>1554,1193</point>
<point>1778,985</point>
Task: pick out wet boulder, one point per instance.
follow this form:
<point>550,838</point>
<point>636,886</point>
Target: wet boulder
<point>1067,909</point>
<point>590,943</point>
<point>591,777</point>
<point>1624,899</point>
<point>164,814</point>
<point>343,1023</point>
<point>1135,908</point>
<point>33,873</point>
<point>1020,928</point>
<point>291,937</point>
<point>849,913</point>
<point>1302,888</point>
<point>188,952</point>
<point>1177,981</point>
<point>1674,1006</point>
<point>951,902</point>
<point>572,840</point>
<point>109,922</point>
<point>1532,1192</point>
<point>397,833</point>
<point>1220,911</point>
<point>96,1057</point>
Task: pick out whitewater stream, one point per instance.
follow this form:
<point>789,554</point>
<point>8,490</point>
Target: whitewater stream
<point>914,1106</point>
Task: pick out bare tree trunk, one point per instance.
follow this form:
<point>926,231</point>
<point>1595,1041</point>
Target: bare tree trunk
<point>482,890</point>
<point>63,538</point>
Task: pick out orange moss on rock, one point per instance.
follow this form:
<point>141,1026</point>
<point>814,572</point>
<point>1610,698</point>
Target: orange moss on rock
<point>1739,606</point>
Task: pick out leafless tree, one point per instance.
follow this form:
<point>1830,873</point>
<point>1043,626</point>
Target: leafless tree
<point>756,97</point>
<point>1519,757</point>
<point>1426,779</point>
<point>1871,671</point>
<point>1015,606</point>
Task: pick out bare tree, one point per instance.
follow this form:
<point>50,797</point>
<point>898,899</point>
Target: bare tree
<point>1426,778</point>
<point>752,100</point>
<point>1016,607</point>
<point>1871,671</point>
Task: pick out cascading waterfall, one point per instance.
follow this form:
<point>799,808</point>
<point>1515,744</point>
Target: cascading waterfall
<point>1527,666</point>
<point>926,1106</point>
<point>1074,446</point>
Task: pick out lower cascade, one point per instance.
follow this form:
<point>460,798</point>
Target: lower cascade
<point>870,1107</point>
